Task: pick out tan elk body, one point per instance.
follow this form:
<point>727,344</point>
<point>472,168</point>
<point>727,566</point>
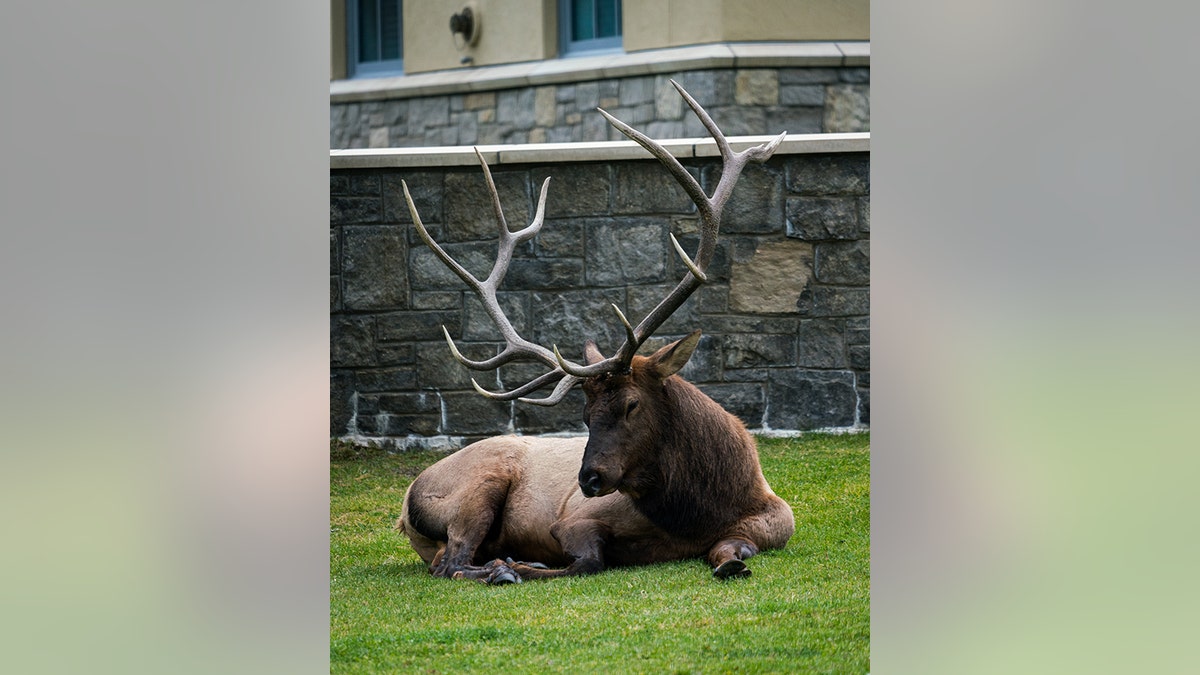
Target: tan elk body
<point>664,474</point>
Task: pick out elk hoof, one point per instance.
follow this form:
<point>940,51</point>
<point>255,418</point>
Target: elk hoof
<point>502,574</point>
<point>731,569</point>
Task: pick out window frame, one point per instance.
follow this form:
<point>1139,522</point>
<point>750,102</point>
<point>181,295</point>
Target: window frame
<point>572,48</point>
<point>365,69</point>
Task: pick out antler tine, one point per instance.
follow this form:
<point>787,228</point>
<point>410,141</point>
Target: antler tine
<point>532,385</point>
<point>437,249</point>
<point>560,391</point>
<point>710,209</point>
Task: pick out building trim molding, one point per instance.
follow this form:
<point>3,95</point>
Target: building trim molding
<point>549,153</point>
<point>604,66</point>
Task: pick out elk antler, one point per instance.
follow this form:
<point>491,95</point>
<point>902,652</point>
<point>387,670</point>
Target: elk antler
<point>565,372</point>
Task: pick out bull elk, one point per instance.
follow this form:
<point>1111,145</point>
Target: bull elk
<point>665,473</point>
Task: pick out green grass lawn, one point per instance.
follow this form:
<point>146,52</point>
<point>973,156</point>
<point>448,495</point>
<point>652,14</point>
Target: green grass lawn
<point>806,609</point>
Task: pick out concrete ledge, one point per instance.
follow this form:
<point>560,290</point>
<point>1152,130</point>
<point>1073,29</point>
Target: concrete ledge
<point>549,153</point>
<point>558,71</point>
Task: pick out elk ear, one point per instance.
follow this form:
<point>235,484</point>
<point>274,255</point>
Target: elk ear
<point>591,353</point>
<point>668,360</point>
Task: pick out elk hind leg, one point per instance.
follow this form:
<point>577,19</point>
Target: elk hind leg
<point>467,528</point>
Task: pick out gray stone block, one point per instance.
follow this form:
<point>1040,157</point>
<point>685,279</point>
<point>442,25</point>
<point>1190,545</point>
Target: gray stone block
<point>719,268</point>
<point>750,323</point>
<point>544,274</point>
<point>351,340</point>
<point>412,326</point>
<point>393,354</point>
<point>470,413</point>
<point>467,124</point>
<point>468,204</point>
<point>855,75</point>
<point>339,184</point>
<point>438,370</point>
<point>386,379</point>
<point>827,301</point>
<point>412,403</point>
<point>354,210</point>
<point>757,350</point>
<point>335,250</point>
<point>424,113</point>
<point>806,400</point>
<point>579,190</point>
<point>335,294</point>
<point>373,270</point>
<point>594,127</point>
<point>755,205</point>
<point>793,119</point>
<point>710,88</point>
<point>860,357</point>
<point>841,262</point>
<point>624,251</point>
<point>864,215</point>
<point>341,389</point>
<point>426,272</point>
<point>567,416</point>
<point>426,191</point>
<point>858,331</point>
<point>843,174</point>
<point>570,318</point>
<point>647,187</point>
<point>821,343</point>
<point>643,299</point>
<point>636,90</point>
<point>561,238</point>
<point>808,75</point>
<point>587,96</point>
<point>437,300</point>
<point>744,399</point>
<point>515,107</point>
<point>802,94</point>
<point>822,218</point>
<point>478,325</point>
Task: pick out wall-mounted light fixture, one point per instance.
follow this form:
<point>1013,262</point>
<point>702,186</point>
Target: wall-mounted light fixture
<point>465,23</point>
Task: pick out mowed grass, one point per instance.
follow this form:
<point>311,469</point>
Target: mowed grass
<point>804,610</point>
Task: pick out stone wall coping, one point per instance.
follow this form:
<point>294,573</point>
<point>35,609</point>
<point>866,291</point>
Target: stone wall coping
<point>604,66</point>
<point>597,151</point>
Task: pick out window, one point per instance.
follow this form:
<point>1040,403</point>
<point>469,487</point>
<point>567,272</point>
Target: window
<point>376,38</point>
<point>587,26</point>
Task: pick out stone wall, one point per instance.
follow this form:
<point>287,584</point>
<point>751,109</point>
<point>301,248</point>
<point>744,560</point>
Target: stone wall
<point>785,314</point>
<point>742,101</point>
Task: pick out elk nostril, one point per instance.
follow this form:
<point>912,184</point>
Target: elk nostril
<point>590,483</point>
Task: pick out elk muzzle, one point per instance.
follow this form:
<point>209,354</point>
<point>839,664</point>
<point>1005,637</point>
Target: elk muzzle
<point>590,482</point>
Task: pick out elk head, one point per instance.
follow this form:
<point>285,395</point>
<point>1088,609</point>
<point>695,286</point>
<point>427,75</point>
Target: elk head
<point>620,389</point>
<point>624,415</point>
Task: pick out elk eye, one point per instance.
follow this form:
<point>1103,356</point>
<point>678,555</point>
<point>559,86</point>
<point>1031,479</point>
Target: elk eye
<point>630,406</point>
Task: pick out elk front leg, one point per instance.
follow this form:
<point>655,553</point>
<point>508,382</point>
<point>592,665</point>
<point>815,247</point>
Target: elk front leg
<point>582,540</point>
<point>727,558</point>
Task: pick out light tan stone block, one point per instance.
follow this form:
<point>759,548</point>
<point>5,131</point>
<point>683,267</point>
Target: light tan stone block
<point>756,87</point>
<point>771,281</point>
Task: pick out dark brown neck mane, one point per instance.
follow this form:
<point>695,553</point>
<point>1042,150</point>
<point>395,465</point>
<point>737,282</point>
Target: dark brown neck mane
<point>705,474</point>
